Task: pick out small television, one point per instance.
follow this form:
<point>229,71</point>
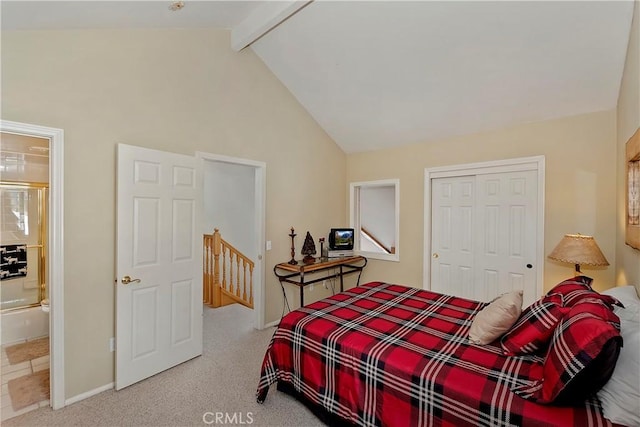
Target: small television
<point>341,239</point>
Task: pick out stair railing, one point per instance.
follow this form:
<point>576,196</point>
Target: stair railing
<point>227,273</point>
<point>377,242</point>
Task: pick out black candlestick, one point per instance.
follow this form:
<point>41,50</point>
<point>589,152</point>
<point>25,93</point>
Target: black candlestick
<point>293,249</point>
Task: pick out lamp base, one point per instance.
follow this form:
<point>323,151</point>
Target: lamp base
<point>578,272</point>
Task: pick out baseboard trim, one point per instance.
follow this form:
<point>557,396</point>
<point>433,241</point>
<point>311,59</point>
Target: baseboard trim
<point>272,324</point>
<point>88,394</point>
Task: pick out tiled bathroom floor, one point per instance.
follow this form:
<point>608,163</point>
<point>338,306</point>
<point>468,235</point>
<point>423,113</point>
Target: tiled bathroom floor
<point>10,372</point>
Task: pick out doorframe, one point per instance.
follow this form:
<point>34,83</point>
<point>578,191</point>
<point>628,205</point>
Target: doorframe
<point>536,163</point>
<point>260,221</point>
<point>55,248</point>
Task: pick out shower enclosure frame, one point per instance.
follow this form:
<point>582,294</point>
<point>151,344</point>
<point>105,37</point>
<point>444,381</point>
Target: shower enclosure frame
<point>42,241</point>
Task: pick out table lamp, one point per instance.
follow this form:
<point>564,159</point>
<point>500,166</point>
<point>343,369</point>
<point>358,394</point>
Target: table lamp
<point>578,249</point>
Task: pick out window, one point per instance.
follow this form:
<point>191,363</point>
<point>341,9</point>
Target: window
<point>375,213</point>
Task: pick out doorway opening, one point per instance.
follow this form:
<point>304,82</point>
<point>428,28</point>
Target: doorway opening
<point>234,203</point>
<point>54,249</point>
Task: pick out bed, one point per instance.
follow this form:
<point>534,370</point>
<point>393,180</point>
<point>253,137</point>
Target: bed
<point>389,355</point>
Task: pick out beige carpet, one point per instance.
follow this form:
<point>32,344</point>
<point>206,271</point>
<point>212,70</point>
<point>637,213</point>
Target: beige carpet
<point>29,389</point>
<point>29,350</point>
<point>221,382</point>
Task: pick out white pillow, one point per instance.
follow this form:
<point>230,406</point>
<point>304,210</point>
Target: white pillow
<point>620,396</point>
<point>627,295</point>
<point>496,318</point>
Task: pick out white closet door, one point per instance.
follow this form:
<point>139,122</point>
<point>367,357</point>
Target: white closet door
<point>453,218</point>
<point>483,235</point>
<point>506,235</point>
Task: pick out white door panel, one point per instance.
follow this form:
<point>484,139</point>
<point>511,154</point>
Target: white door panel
<point>507,211</point>
<point>159,314</point>
<point>452,245</point>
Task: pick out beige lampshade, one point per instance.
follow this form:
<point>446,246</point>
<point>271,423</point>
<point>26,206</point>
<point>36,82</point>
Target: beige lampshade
<point>578,249</point>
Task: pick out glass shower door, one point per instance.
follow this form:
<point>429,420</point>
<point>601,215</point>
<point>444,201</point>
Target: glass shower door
<point>22,245</point>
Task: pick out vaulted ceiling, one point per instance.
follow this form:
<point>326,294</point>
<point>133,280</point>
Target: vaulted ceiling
<point>377,74</point>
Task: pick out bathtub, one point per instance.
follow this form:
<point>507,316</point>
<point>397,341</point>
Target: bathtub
<point>23,324</point>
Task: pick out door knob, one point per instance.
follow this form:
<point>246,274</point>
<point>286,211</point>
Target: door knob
<point>435,255</point>
<point>127,279</point>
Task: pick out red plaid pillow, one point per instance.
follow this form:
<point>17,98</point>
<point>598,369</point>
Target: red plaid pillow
<point>535,326</point>
<point>581,357</point>
<point>576,289</point>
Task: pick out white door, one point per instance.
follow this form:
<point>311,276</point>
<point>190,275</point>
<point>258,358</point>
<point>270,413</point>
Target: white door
<point>159,312</point>
<point>484,230</point>
<point>452,235</point>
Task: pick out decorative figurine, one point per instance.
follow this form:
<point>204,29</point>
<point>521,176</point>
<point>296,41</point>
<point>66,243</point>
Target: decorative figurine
<point>308,249</point>
<point>293,249</point>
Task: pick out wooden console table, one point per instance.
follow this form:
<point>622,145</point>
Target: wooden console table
<point>297,274</point>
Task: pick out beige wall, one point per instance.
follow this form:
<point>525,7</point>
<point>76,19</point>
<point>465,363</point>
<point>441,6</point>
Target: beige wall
<point>628,259</point>
<point>172,90</point>
<point>580,180</point>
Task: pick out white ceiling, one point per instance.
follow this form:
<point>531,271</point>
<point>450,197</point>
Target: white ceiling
<point>384,73</point>
<point>55,15</point>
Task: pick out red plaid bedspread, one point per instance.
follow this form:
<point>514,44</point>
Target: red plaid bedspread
<point>389,355</point>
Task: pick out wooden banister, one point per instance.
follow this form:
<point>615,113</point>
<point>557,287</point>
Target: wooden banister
<point>224,287</point>
<point>374,239</point>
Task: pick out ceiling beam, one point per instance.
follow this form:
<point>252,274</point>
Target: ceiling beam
<point>262,20</point>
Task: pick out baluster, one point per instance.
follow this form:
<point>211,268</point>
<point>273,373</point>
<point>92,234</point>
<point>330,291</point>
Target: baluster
<point>224,268</point>
<point>210,271</point>
<point>215,291</point>
<point>230,274</point>
<point>231,254</point>
<point>244,280</point>
<point>237,275</point>
<point>251,285</point>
